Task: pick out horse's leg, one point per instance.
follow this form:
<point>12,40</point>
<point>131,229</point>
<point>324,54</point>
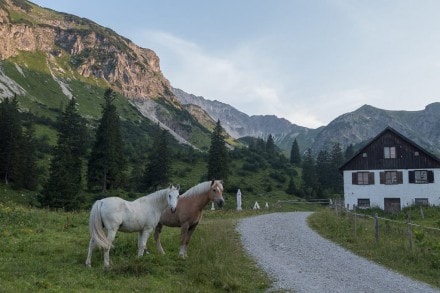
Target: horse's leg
<point>89,255</point>
<point>142,241</point>
<point>188,237</point>
<point>110,236</point>
<point>183,236</point>
<point>157,232</point>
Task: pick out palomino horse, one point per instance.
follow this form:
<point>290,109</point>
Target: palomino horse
<point>189,211</point>
<point>140,215</point>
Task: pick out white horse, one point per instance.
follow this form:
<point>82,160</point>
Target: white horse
<point>140,215</point>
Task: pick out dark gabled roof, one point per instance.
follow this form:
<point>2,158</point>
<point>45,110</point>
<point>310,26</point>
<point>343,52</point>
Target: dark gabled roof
<point>396,133</point>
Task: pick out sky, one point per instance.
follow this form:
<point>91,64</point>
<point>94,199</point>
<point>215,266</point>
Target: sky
<point>306,61</point>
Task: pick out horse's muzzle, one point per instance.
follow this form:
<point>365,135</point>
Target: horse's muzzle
<point>220,202</point>
<point>173,210</point>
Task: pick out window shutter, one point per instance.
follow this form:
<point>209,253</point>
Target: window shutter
<point>354,178</point>
<point>371,178</point>
<point>430,177</point>
<point>411,177</point>
<point>382,177</point>
<point>399,177</point>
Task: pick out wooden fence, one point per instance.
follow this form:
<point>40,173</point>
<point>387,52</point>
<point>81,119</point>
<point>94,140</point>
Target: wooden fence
<point>340,209</point>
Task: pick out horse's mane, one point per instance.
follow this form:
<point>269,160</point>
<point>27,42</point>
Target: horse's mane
<point>201,188</point>
<point>155,195</point>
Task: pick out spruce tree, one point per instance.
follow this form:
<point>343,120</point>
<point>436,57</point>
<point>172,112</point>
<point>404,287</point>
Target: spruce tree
<point>107,164</point>
<point>64,187</point>
<point>309,177</point>
<point>323,170</point>
<point>270,145</point>
<point>10,140</point>
<point>30,171</point>
<point>218,155</point>
<point>157,171</point>
<point>337,159</point>
<point>295,156</point>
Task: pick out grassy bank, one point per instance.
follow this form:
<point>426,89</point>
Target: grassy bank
<point>420,260</point>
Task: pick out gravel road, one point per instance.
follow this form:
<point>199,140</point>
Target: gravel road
<point>299,260</point>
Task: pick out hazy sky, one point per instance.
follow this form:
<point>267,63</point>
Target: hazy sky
<point>306,61</point>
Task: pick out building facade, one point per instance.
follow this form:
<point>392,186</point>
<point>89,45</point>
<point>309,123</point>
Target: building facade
<point>391,172</point>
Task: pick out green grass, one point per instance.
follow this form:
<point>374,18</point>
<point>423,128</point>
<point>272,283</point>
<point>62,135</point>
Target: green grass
<point>422,262</point>
<point>46,250</point>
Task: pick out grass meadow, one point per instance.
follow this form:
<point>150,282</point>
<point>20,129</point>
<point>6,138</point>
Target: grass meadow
<point>42,250</point>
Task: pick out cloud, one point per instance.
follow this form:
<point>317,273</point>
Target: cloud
<point>238,77</point>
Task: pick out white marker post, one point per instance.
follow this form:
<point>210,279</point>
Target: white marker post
<point>238,200</point>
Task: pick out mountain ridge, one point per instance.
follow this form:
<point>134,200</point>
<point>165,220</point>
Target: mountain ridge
<point>41,49</point>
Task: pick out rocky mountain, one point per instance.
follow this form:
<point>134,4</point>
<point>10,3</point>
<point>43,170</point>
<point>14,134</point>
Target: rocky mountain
<point>47,57</point>
<point>239,124</point>
<point>422,127</point>
<point>357,127</point>
<point>74,50</point>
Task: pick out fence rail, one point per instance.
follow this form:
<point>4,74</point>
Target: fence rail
<point>340,208</point>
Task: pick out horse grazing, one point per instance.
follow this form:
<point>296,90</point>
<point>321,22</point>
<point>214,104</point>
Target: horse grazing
<point>140,215</point>
<point>189,212</point>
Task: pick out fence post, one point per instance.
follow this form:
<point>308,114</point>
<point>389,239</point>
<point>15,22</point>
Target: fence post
<point>354,226</point>
<point>409,230</point>
<point>336,208</point>
<point>421,212</point>
<point>376,228</point>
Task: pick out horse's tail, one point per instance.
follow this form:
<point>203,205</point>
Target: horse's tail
<point>97,233</point>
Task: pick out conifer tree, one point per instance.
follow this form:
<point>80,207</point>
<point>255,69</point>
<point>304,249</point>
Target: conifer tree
<point>270,145</point>
<point>64,186</point>
<point>10,140</point>
<point>218,155</point>
<point>309,174</point>
<point>157,171</point>
<point>337,159</point>
<point>291,188</point>
<point>295,156</point>
<point>107,164</point>
<point>30,172</point>
<point>323,169</point>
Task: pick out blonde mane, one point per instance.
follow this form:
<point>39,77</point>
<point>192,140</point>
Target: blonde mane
<point>201,188</point>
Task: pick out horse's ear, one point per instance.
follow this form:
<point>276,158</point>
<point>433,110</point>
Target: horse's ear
<point>212,182</point>
<point>178,187</point>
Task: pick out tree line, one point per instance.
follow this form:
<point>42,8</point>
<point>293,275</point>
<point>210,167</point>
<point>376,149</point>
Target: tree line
<point>81,161</point>
<point>75,166</point>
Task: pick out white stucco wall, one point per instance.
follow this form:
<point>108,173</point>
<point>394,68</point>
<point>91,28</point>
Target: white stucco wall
<point>377,192</point>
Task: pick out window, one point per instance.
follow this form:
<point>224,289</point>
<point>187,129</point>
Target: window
<point>421,176</point>
<point>421,202</point>
<point>363,203</point>
<point>389,152</point>
<point>391,177</point>
<point>364,155</point>
<point>362,178</point>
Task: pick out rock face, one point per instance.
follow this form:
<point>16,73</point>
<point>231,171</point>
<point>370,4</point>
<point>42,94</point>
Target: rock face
<point>92,49</point>
<point>239,124</point>
<point>422,127</point>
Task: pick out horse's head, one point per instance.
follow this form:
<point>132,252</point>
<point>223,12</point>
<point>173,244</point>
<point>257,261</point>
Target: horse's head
<point>173,197</point>
<point>216,192</point>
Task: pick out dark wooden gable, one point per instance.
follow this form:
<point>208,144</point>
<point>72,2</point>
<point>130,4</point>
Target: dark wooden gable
<point>408,154</point>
